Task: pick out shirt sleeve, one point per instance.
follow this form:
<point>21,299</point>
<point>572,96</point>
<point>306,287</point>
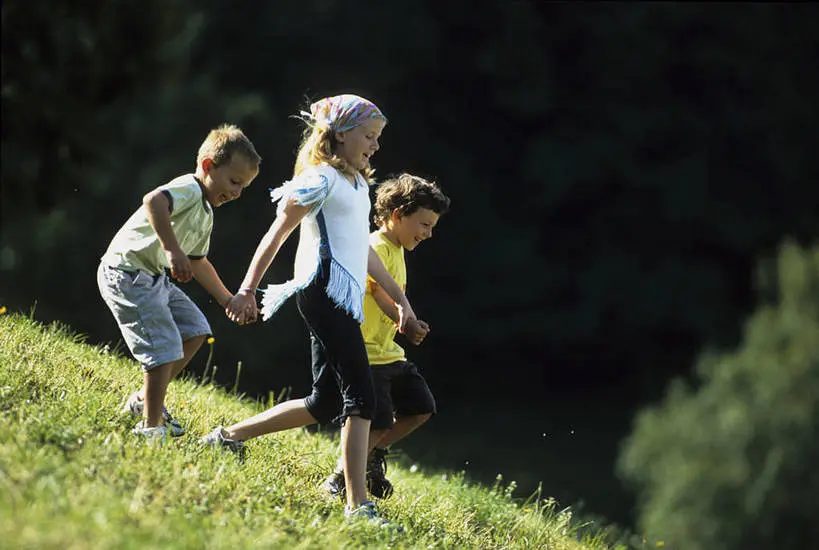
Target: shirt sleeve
<point>182,196</point>
<point>308,188</point>
<point>383,251</point>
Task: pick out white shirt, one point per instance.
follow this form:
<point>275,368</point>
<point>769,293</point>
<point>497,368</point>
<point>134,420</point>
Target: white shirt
<point>336,228</point>
<point>136,245</point>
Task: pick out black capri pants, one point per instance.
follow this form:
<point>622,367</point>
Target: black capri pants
<point>341,374</point>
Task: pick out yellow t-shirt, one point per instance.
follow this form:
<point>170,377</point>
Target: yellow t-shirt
<point>378,329</point>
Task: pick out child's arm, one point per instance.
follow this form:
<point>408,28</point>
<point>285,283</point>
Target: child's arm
<point>376,269</point>
<point>158,208</point>
<point>205,273</point>
<point>384,302</point>
<point>416,329</point>
<point>242,306</point>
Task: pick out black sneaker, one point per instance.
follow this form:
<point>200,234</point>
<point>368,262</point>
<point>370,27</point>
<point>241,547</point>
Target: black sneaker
<point>377,482</point>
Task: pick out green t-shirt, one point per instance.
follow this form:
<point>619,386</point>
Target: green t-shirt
<point>136,245</point>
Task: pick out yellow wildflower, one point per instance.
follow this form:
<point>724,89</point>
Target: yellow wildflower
<point>2,310</point>
<point>211,340</point>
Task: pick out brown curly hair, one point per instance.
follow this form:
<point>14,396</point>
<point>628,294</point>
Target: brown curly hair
<point>407,193</point>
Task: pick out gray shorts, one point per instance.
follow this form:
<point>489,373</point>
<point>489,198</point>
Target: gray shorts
<point>154,316</point>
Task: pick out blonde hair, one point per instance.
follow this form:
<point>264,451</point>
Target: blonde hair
<point>318,147</point>
<point>223,143</point>
<point>407,193</point>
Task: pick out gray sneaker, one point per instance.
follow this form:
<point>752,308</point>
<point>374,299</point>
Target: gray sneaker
<point>136,407</point>
<point>335,486</point>
<point>365,512</point>
<point>218,438</point>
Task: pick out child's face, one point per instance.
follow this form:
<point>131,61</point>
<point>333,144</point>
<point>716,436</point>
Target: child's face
<point>225,183</point>
<point>358,145</point>
<point>410,230</point>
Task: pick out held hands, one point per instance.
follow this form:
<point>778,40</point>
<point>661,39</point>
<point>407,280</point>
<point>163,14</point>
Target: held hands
<point>405,313</point>
<point>180,265</point>
<point>416,331</point>
<point>242,308</point>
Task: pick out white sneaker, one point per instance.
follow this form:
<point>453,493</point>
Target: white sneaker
<point>218,438</point>
<point>136,407</point>
<point>157,433</point>
<point>133,405</point>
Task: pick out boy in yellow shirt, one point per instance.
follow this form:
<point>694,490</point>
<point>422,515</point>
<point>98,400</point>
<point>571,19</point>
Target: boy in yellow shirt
<point>407,208</point>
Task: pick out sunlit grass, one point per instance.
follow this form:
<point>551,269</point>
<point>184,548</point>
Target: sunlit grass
<point>73,477</point>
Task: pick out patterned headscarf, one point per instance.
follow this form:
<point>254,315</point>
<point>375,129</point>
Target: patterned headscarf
<point>343,112</point>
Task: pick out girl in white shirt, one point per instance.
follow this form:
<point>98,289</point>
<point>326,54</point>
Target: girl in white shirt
<point>329,197</point>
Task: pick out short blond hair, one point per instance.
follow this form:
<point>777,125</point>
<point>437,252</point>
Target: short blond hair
<point>318,147</point>
<point>223,143</point>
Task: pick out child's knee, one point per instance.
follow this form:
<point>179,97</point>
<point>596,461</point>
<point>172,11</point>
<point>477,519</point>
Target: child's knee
<point>195,342</point>
<point>422,418</point>
<point>414,420</point>
<point>157,373</point>
<point>324,408</point>
<point>363,407</point>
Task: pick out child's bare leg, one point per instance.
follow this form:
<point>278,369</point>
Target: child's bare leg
<point>189,349</point>
<point>155,387</point>
<point>290,414</point>
<point>401,429</point>
<point>354,437</point>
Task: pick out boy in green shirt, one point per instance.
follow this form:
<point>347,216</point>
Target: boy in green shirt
<point>162,327</point>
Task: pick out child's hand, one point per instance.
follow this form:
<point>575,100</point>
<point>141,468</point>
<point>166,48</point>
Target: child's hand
<point>242,308</point>
<point>416,331</point>
<point>180,265</point>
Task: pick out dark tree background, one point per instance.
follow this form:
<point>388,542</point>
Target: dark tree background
<point>616,171</point>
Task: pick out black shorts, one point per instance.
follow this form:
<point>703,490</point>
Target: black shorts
<point>400,391</point>
<point>342,383</point>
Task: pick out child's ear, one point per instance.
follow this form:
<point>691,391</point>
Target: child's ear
<point>396,215</point>
<point>207,165</point>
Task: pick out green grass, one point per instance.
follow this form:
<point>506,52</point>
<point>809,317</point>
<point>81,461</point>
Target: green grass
<point>73,477</point>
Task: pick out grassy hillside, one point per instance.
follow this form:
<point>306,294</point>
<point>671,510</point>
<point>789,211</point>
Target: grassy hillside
<point>73,477</point>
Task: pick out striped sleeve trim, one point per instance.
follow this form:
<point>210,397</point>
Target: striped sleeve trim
<point>170,200</point>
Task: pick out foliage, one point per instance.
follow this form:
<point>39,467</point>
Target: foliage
<point>731,463</point>
<point>96,95</point>
<point>611,165</point>
<point>73,477</point>
<point>615,168</point>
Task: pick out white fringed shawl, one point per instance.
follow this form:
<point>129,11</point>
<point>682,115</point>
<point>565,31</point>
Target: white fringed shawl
<point>337,228</point>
